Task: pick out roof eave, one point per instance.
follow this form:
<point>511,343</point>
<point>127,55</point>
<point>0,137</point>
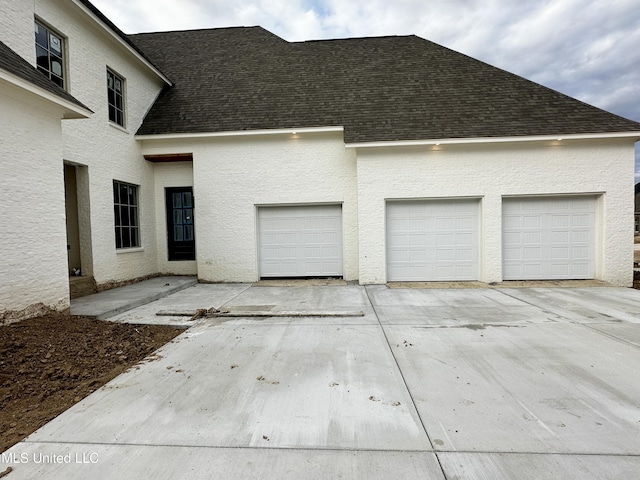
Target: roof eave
<point>239,133</point>
<point>486,140</point>
<point>70,109</point>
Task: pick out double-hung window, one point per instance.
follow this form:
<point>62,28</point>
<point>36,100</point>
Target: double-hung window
<point>125,207</point>
<point>50,53</point>
<point>115,98</point>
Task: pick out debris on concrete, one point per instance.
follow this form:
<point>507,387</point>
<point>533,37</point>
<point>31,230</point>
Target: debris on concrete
<point>213,312</point>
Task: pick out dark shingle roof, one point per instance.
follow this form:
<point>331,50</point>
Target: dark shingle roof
<point>379,89</point>
<point>18,66</point>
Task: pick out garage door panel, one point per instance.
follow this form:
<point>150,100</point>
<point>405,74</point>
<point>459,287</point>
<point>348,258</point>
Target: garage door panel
<point>330,252</point>
<point>580,221</point>
<point>432,240</point>
<point>557,242</point>
<point>467,255</point>
<point>531,253</point>
<point>512,254</point>
<point>398,256</point>
<point>560,269</point>
<point>513,237</point>
<point>580,269</point>
<point>300,241</point>
<point>282,223</point>
<point>511,271</point>
<point>559,205</point>
<point>531,270</point>
<point>464,271</point>
<point>531,222</point>
<point>444,239</point>
<point>445,255</point>
<point>561,237</point>
<point>417,239</point>
<point>400,241</point>
<point>286,268</point>
<point>445,271</point>
<point>312,252</point>
<point>282,238</point>
<point>560,221</point>
<point>463,239</point>
<point>560,253</point>
<point>466,222</point>
<point>512,222</point>
<point>580,236</point>
<point>444,223</point>
<point>417,256</point>
<point>312,237</point>
<point>273,238</point>
<point>414,271</point>
<point>278,269</point>
<point>530,207</point>
<point>399,224</point>
<point>581,253</point>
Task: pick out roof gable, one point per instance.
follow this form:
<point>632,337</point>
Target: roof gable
<point>379,89</point>
<point>119,34</point>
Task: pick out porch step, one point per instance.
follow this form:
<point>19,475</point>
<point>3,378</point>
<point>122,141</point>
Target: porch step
<point>81,286</point>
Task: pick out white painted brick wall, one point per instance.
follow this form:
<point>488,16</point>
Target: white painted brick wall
<point>16,27</point>
<point>490,172</point>
<point>234,175</point>
<point>109,152</point>
<point>33,263</point>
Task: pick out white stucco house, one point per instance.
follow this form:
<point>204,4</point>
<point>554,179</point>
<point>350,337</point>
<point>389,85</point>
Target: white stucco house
<point>234,155</point>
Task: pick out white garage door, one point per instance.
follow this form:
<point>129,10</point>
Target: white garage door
<point>432,240</point>
<point>548,238</point>
<point>300,241</point>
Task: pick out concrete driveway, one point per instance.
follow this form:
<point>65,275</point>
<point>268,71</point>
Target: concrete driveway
<point>428,383</point>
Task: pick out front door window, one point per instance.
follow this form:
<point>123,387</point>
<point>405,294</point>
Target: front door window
<point>180,223</point>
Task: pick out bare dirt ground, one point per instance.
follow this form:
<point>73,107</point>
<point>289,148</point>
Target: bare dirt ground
<point>49,363</point>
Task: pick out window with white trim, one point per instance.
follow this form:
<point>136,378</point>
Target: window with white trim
<point>125,208</point>
<point>50,53</point>
<point>115,97</point>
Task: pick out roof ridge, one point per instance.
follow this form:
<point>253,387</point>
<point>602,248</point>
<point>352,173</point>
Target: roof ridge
<point>188,30</point>
<point>370,37</point>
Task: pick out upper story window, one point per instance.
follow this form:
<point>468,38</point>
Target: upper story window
<point>50,53</point>
<point>115,97</point>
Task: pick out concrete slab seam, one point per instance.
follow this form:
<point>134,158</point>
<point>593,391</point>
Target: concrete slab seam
<point>620,339</point>
<point>501,290</point>
<point>235,296</point>
<point>424,428</point>
<point>144,301</point>
<point>239,447</point>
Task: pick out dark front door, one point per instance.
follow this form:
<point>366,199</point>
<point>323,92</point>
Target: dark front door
<point>180,230</point>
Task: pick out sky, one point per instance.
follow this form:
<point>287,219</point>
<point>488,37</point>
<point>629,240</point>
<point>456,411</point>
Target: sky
<point>588,49</point>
